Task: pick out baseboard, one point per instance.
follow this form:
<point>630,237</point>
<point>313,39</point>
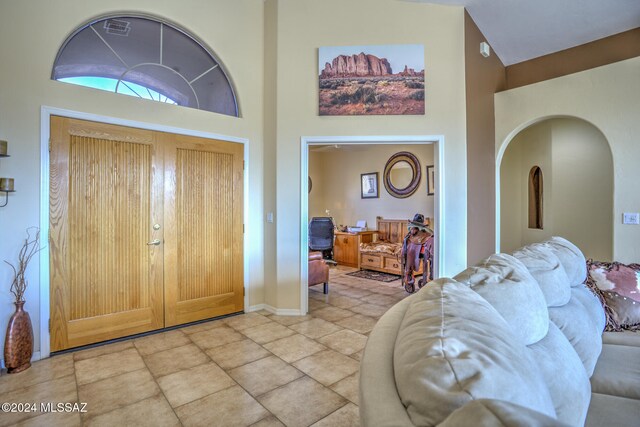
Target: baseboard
<point>34,358</point>
<point>273,310</point>
<point>256,307</point>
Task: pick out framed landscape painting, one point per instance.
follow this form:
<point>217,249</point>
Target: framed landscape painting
<point>371,80</point>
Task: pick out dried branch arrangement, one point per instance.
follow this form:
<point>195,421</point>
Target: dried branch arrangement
<point>30,247</point>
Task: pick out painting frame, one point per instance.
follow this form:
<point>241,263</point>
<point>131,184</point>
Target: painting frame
<point>431,180</point>
<point>369,188</point>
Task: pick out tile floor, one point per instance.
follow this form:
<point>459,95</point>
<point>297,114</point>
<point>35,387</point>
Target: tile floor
<point>255,369</point>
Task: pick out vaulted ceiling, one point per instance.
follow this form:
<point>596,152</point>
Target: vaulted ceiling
<point>519,30</point>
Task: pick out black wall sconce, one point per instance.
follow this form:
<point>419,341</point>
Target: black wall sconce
<point>6,184</point>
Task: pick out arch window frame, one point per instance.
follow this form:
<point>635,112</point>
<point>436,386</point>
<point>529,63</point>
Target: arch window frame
<point>192,97</point>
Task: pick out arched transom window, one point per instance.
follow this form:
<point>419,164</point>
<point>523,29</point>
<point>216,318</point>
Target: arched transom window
<point>145,57</point>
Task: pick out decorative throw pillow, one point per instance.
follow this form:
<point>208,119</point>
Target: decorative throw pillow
<point>618,287</point>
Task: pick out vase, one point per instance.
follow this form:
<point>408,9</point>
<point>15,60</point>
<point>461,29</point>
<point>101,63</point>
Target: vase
<point>18,343</point>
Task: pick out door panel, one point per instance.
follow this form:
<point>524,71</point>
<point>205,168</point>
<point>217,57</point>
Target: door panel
<point>204,234</point>
<point>105,196</point>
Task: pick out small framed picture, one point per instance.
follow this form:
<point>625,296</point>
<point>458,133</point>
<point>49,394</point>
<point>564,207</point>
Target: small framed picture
<point>369,185</point>
<point>431,180</point>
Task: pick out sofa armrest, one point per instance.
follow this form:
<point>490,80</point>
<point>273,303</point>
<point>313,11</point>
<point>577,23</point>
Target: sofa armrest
<point>380,404</point>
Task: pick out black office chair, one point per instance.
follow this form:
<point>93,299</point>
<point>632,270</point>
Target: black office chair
<point>321,237</point>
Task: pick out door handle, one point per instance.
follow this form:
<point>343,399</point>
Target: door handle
<point>155,242</point>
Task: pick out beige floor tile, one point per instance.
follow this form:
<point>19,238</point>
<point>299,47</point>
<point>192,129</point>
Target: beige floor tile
<point>349,291</point>
<point>108,365</point>
<point>358,323</point>
<point>343,302</point>
<point>266,333</point>
<point>90,353</point>
<point>244,321</point>
<point>301,402</point>
<point>316,305</point>
<point>397,289</point>
<point>327,367</point>
<point>175,359</point>
<point>345,341</point>
<point>319,288</point>
<point>204,326</point>
<point>154,411</point>
<point>39,372</point>
<point>317,295</point>
<point>270,421</point>
<point>289,320</point>
<point>59,390</point>
<point>194,383</point>
<point>331,314</point>
<point>236,354</point>
<point>383,300</point>
<point>116,392</point>
<point>264,312</point>
<point>371,310</point>
<point>160,342</point>
<point>53,419</point>
<point>347,416</point>
<point>358,355</point>
<point>226,408</point>
<point>216,337</point>
<point>264,375</point>
<point>294,347</point>
<point>315,328</point>
<point>348,387</point>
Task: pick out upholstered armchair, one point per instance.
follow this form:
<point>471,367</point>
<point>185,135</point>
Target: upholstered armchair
<point>318,270</point>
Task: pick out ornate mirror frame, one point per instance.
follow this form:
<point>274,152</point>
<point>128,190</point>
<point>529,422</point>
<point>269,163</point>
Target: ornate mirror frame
<point>402,156</point>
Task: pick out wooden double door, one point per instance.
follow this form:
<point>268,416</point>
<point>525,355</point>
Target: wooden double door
<point>146,230</point>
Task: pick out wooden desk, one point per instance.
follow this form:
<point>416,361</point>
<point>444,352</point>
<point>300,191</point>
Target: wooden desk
<point>346,247</point>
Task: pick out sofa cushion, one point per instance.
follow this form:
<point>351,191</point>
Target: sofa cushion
<point>631,338</point>
<point>509,287</point>
<point>565,376</point>
<point>581,325</point>
<point>454,347</point>
<point>571,258</point>
<point>618,371</point>
<point>548,271</point>
<point>498,413</point>
<point>608,410</point>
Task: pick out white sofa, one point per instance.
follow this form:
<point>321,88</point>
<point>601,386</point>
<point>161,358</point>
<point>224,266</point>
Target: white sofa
<point>515,340</point>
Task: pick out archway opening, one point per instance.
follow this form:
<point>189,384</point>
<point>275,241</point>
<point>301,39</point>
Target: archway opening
<point>575,160</point>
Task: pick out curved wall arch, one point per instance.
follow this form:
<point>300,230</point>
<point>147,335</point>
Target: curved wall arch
<point>577,163</point>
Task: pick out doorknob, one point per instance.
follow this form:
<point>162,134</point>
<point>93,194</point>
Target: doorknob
<point>154,242</point>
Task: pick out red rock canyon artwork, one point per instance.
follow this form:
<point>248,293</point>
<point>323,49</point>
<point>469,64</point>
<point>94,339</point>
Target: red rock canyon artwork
<point>371,80</point>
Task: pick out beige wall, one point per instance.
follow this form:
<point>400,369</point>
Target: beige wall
<point>304,26</point>
<point>336,184</point>
<point>30,35</point>
<point>607,98</point>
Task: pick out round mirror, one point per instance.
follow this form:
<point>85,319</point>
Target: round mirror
<point>402,174</point>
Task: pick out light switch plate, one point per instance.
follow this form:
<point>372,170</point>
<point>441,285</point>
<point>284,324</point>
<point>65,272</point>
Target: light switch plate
<point>631,218</point>
<point>269,216</point>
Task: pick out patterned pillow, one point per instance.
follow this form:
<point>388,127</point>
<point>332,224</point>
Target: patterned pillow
<point>618,288</point>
